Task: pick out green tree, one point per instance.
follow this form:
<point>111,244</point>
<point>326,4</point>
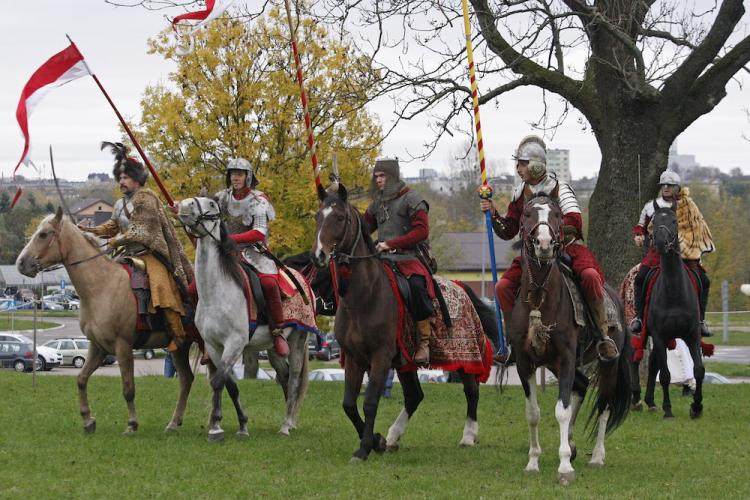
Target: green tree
<point>236,95</point>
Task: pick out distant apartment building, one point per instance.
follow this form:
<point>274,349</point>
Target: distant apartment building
<point>558,161</point>
<point>98,178</point>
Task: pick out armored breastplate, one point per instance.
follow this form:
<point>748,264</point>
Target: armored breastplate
<point>393,218</point>
<point>121,213</point>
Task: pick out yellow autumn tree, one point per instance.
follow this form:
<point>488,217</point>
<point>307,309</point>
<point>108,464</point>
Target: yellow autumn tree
<point>235,95</point>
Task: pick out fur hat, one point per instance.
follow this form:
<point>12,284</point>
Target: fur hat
<point>125,164</point>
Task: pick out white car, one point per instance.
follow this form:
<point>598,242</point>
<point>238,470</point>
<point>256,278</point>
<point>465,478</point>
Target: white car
<point>328,375</point>
<point>49,358</point>
<point>432,376</point>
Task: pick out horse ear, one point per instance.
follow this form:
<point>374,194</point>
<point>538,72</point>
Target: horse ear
<point>58,216</point>
<point>322,193</point>
<point>342,192</point>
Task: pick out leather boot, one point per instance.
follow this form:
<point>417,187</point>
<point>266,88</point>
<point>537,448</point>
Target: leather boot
<point>606,347</point>
<point>422,356</point>
<point>174,325</point>
<point>636,324</point>
<point>279,342</point>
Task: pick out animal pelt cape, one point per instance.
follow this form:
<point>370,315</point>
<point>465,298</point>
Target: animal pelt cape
<point>694,235</point>
<point>150,227</point>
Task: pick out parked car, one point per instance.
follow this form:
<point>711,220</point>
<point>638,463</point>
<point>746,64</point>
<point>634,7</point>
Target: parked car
<point>48,358</point>
<point>44,304</point>
<point>67,301</point>
<point>715,378</point>
<point>312,345</point>
<point>74,351</point>
<point>327,375</point>
<point>146,353</point>
<point>74,304</point>
<point>432,376</point>
<point>18,355</point>
<point>329,348</point>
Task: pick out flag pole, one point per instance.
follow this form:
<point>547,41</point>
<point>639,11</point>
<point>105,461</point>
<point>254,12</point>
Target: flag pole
<point>485,190</point>
<point>303,97</point>
<point>151,169</point>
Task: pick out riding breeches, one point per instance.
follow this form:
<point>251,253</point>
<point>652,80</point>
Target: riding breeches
<point>584,265</point>
<point>420,305</point>
<point>272,294</point>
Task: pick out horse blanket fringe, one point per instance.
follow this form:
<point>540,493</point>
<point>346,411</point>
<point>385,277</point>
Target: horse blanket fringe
<point>465,347</point>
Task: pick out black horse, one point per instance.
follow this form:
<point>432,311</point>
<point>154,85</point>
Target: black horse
<point>673,312</point>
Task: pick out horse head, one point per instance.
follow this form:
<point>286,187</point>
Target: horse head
<point>337,225</point>
<point>200,216</point>
<point>44,249</point>
<point>541,227</point>
<point>665,230</point>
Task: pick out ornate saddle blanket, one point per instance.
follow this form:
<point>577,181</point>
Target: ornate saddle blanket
<point>465,346</point>
<point>580,310</point>
<point>297,314</point>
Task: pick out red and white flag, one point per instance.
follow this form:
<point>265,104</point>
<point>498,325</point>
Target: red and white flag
<point>211,12</point>
<point>59,69</point>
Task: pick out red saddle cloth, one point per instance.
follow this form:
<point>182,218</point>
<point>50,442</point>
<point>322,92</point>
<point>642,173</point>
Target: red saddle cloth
<point>639,342</point>
<point>465,347</point>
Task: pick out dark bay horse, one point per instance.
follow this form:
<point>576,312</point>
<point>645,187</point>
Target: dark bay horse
<point>108,311</point>
<point>543,332</point>
<point>673,312</point>
<point>366,327</point>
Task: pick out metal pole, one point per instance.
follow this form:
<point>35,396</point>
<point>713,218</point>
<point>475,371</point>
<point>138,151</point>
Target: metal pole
<point>484,266</point>
<point>485,191</point>
<point>33,361</point>
<point>725,310</point>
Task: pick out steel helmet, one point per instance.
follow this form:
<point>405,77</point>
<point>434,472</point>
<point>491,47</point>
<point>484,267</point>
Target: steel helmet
<point>242,164</point>
<point>533,150</point>
<point>669,177</point>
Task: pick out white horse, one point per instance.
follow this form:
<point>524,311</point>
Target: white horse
<point>222,319</point>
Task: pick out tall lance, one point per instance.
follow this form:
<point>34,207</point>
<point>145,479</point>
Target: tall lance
<point>151,169</point>
<point>303,97</point>
<point>57,186</point>
<point>485,190</point>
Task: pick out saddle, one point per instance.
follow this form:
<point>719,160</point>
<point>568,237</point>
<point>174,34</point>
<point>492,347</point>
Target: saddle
<point>405,292</point>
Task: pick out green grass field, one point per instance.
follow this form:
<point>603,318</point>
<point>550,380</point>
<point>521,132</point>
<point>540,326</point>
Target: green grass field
<point>45,453</point>
<point>24,324</point>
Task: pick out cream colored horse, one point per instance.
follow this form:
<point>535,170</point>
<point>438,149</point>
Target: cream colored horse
<point>107,314</point>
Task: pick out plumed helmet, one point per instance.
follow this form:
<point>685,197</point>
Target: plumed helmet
<point>125,164</point>
<point>669,177</point>
<point>242,164</point>
<point>532,149</point>
<point>389,166</point>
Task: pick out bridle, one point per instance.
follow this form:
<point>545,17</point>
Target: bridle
<point>672,241</point>
<point>345,257</point>
<point>528,249</point>
<point>56,238</point>
<point>200,222</point>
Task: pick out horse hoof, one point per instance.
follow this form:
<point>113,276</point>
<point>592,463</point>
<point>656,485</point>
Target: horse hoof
<point>242,434</point>
<point>215,436</point>
<point>668,417</point>
<point>596,465</point>
<point>379,445</point>
<point>531,470</point>
<point>129,432</point>
<point>391,448</point>
<point>565,478</point>
<point>637,406</point>
<point>653,409</point>
<point>356,460</point>
<point>284,431</point>
<point>695,414</point>
<point>466,443</point>
<point>90,426</point>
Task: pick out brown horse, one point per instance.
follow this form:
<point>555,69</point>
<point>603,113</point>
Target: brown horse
<point>543,332</point>
<point>108,311</point>
<point>366,326</point>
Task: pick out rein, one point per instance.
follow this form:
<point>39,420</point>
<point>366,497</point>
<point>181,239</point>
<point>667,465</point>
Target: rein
<point>202,217</point>
<point>672,242</point>
<point>340,257</point>
<point>54,267</point>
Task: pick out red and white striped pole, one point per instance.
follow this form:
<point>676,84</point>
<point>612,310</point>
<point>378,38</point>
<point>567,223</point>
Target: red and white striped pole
<point>485,190</point>
<point>303,96</point>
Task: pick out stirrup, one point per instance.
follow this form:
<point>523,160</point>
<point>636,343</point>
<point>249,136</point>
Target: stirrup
<point>636,325</point>
<point>599,351</point>
<point>705,331</point>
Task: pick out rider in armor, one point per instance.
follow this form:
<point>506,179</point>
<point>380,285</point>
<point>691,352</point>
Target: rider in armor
<point>531,165</point>
<point>693,235</point>
<point>139,227</point>
<point>400,216</point>
<point>247,212</point>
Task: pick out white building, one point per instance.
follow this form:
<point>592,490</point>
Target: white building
<point>558,161</point>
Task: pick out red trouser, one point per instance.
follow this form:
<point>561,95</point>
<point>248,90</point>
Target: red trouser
<point>585,267</point>
<point>270,292</point>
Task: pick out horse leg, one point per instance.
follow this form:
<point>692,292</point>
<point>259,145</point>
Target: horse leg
<point>564,414</point>
<point>234,394</point>
<point>660,360</point>
<point>528,381</point>
<point>215,432</point>
<point>580,385</point>
<point>379,366</point>
<point>353,375</point>
<point>636,404</point>
<point>699,371</point>
<point>221,378</point>
<point>93,361</point>
<point>124,353</point>
<point>297,341</point>
<point>281,366</point>
<point>471,427</point>
<point>413,395</point>
<point>597,456</point>
<point>186,377</point>
<point>651,382</point>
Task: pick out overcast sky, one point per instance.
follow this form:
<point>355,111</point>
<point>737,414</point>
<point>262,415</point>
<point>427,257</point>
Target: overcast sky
<point>76,117</point>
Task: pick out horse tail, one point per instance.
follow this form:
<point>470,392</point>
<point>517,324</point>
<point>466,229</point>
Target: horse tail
<point>613,381</point>
<point>486,315</point>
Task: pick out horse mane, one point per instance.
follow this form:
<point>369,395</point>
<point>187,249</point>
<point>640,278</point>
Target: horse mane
<point>228,261</point>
